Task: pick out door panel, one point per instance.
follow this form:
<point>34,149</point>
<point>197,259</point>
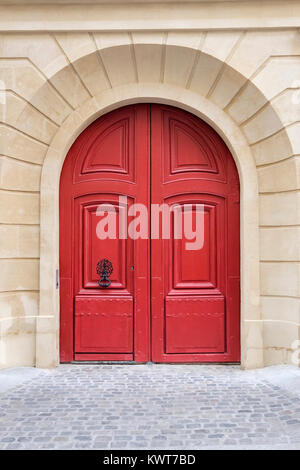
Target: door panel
<point>103,317</point>
<point>195,324</point>
<point>192,321</point>
<point>107,168</point>
<point>201,268</point>
<point>170,300</point>
<point>103,324</point>
<point>91,249</point>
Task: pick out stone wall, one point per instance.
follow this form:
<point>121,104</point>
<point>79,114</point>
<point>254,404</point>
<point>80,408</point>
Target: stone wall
<point>57,82</point>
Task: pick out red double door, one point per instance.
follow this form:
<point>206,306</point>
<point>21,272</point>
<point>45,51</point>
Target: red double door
<point>166,302</point>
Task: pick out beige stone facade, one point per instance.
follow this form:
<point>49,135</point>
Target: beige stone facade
<point>235,64</point>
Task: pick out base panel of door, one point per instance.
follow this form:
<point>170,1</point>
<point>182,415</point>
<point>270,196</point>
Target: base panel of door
<point>175,359</point>
<point>151,363</point>
<point>102,362</point>
<point>197,359</point>
<point>103,357</point>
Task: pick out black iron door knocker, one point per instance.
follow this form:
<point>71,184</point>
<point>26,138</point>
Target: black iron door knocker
<point>104,269</point>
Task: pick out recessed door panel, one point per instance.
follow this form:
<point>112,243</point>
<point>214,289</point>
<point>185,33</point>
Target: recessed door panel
<point>109,152</point>
<point>94,216</point>
<point>103,317</point>
<point>103,324</point>
<point>194,261</point>
<point>195,324</point>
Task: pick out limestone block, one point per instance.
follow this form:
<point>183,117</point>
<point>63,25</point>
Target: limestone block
<point>149,62</point>
<point>70,86</point>
<point>19,241</point>
<point>76,45</point>
<point>40,48</point>
<point>17,349</point>
<point>179,62</point>
<point>280,209</point>
<point>220,44</point>
<point>280,244</point>
<point>274,356</point>
<point>246,103</point>
<point>287,108</point>
<point>20,115</point>
<point>257,46</point>
<point>80,49</point>
<point>118,60</point>
<point>204,74</point>
<point>280,278</point>
<point>293,133</point>
<point>92,73</point>
<point>17,325</point>
<point>252,335</point>
<point>22,77</point>
<point>282,112</point>
<point>190,39</point>
<point>17,145</point>
<point>278,74</point>
<point>19,274</point>
<point>88,112</point>
<point>153,15</point>
<point>148,50</point>
<point>263,125</point>
<point>280,334</point>
<point>226,87</point>
<point>119,65</point>
<point>154,38</point>
<point>65,133</point>
<point>281,176</point>
<point>111,39</point>
<point>19,304</point>
<point>46,342</point>
<point>281,309</point>
<point>18,175</point>
<point>279,146</point>
<point>19,208</point>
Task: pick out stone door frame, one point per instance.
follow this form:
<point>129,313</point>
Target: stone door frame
<point>47,335</point>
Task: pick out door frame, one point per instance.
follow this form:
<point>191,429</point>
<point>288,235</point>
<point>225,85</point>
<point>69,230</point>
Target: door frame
<point>47,337</point>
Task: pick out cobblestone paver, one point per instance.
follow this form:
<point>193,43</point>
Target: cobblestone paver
<point>148,406</point>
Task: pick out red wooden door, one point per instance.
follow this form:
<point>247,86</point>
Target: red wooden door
<point>185,300</point>
<point>195,292</point>
<point>108,160</point>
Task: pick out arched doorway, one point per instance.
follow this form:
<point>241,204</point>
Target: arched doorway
<point>166,302</point>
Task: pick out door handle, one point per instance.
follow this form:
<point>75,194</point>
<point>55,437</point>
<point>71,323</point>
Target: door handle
<point>104,270</point>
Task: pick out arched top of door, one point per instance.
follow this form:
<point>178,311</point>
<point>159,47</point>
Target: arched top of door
<point>103,147</point>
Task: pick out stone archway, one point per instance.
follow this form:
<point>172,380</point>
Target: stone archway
<point>48,321</point>
<point>246,101</point>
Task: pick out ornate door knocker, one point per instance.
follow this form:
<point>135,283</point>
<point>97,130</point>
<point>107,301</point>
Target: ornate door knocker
<point>104,269</point>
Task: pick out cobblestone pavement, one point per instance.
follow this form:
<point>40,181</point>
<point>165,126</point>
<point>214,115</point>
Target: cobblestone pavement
<point>148,406</point>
